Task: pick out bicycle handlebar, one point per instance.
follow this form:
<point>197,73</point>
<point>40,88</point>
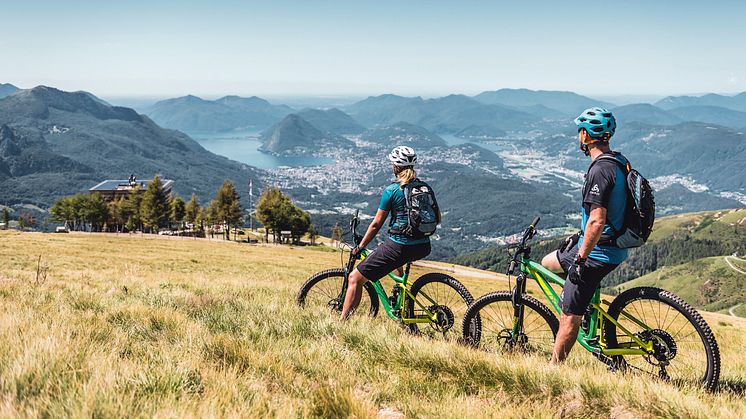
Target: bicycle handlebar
<point>353,227</point>
<point>528,234</point>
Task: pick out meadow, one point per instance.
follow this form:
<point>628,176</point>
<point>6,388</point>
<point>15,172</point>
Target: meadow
<point>134,326</point>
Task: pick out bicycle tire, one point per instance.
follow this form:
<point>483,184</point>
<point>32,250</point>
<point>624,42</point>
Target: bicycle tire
<point>486,308</point>
<point>456,306</point>
<point>334,290</point>
<point>628,301</point>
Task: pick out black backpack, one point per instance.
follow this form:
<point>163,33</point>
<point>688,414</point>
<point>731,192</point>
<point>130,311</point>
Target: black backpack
<point>639,215</point>
<point>421,209</point>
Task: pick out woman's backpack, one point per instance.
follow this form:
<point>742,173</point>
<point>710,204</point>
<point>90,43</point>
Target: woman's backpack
<point>422,211</point>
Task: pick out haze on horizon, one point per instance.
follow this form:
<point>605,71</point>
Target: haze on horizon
<point>286,47</point>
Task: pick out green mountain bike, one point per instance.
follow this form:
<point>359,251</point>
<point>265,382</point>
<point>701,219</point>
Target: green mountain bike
<point>434,302</point>
<point>644,329</point>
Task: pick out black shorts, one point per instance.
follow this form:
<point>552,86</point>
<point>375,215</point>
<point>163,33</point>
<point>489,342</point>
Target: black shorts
<point>390,255</point>
<point>575,298</point>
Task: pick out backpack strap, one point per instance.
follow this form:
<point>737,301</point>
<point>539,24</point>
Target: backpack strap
<point>406,189</point>
<point>610,240</point>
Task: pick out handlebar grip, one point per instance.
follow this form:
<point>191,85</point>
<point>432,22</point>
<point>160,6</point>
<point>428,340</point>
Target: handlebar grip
<point>535,222</point>
<point>511,268</point>
<point>357,212</point>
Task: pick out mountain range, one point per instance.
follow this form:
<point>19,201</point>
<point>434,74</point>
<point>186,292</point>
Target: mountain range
<point>735,102</point>
<point>453,114</point>
<point>654,115</point>
<point>230,113</point>
<point>564,103</point>
<point>55,143</point>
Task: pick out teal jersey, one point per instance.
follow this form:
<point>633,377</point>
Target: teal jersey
<point>606,186</point>
<point>394,202</point>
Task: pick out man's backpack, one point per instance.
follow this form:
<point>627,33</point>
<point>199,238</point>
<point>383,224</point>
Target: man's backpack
<point>639,215</point>
<point>421,209</point>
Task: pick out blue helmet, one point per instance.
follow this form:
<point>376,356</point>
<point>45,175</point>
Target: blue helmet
<point>598,122</point>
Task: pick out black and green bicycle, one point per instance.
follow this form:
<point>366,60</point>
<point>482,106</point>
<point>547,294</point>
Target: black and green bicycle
<point>435,301</point>
<point>644,329</point>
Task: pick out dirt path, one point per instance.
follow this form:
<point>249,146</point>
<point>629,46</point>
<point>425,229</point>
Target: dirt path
<point>727,260</point>
<point>458,270</point>
<point>730,310</point>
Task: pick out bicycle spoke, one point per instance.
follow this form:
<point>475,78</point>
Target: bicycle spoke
<point>688,362</point>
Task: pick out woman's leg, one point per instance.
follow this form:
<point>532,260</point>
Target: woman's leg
<point>355,283</point>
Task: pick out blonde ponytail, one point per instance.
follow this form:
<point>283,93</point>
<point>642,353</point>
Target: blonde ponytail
<point>405,175</point>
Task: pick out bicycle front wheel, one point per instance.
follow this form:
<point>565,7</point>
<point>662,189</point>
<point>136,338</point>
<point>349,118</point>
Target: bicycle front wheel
<point>442,295</point>
<point>685,350</point>
<point>324,289</point>
<point>495,311</point>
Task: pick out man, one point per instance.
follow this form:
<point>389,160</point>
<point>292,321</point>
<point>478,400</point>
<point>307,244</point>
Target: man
<point>587,262</point>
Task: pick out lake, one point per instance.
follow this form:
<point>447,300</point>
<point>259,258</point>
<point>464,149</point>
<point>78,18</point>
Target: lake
<point>244,147</point>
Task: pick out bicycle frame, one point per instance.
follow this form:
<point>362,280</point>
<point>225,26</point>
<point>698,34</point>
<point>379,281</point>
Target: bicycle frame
<point>592,340</point>
<point>396,311</point>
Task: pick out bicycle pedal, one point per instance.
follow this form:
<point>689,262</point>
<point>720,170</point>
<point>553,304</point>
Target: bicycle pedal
<point>593,341</point>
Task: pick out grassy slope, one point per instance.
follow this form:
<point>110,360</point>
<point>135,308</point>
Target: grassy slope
<point>148,326</point>
<point>708,283</point>
<point>701,225</point>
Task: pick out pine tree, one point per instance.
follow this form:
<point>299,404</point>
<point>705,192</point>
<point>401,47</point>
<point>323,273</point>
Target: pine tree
<point>192,210</point>
<point>154,207</point>
<point>178,211</point>
<point>227,207</point>
<point>131,209</point>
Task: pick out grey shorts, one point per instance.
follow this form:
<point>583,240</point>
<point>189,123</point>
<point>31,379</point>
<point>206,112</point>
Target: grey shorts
<point>390,255</point>
<point>576,297</point>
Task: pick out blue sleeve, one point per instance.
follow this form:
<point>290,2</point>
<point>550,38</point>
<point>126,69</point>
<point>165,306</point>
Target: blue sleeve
<point>386,199</point>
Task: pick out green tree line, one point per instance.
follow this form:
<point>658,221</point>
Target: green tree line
<point>153,210</point>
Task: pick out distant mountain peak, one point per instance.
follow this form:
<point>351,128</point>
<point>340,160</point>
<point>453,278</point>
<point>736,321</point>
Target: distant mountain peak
<point>295,134</point>
<point>7,89</point>
<point>38,101</point>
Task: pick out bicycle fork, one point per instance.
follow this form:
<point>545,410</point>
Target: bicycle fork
<point>345,281</point>
<point>517,301</point>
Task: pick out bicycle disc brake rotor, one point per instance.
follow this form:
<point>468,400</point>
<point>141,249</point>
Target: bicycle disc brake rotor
<point>664,346</point>
<point>445,318</point>
<point>508,342</point>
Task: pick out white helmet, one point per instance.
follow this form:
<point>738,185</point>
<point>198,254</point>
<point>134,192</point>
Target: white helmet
<point>403,156</point>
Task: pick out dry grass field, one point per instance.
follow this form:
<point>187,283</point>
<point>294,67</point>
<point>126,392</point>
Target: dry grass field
<point>135,326</point>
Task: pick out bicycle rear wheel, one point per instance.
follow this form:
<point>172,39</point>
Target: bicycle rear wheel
<point>324,289</point>
<point>685,348</point>
<point>450,301</point>
<point>495,310</point>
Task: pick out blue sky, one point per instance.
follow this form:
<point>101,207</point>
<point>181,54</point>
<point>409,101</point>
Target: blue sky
<point>281,47</point>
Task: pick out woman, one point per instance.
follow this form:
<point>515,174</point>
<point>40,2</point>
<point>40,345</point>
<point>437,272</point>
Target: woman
<point>398,249</point>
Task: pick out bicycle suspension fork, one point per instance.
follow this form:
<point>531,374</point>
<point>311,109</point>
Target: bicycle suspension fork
<point>345,280</point>
<point>517,300</point>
